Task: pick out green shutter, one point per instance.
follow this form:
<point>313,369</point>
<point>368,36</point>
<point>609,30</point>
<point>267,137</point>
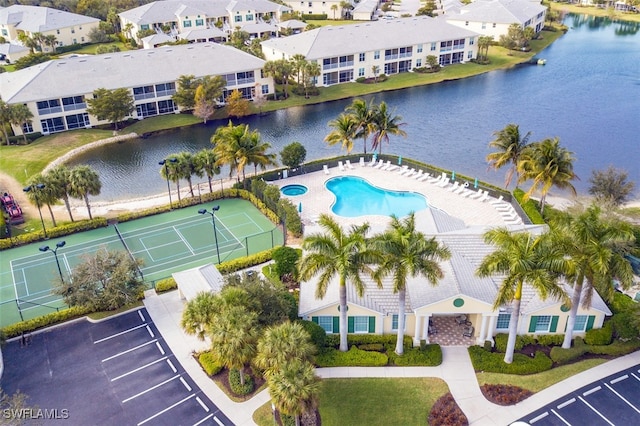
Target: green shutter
<point>372,324</point>
<point>590,321</point>
<point>350,326</point>
<point>336,325</point>
<point>532,324</point>
<point>314,319</point>
<point>554,324</point>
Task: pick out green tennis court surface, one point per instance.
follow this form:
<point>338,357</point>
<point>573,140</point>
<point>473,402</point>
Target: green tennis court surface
<point>166,243</point>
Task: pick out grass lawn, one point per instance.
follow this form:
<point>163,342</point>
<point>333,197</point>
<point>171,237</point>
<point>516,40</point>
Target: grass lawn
<point>162,122</point>
<point>91,48</point>
<point>539,381</point>
<point>372,401</point>
<point>596,11</point>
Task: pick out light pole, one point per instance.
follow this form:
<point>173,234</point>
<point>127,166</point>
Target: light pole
<point>166,174</point>
<point>213,211</point>
<point>59,244</point>
<point>35,188</point>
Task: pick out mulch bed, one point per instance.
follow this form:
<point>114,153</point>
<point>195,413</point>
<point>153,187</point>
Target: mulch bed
<point>505,394</point>
<point>311,418</point>
<point>222,379</point>
<point>445,412</point>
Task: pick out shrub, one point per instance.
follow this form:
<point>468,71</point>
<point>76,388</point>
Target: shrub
<point>314,17</point>
<point>599,336</point>
<point>353,357</point>
<point>431,356</point>
<point>375,347</point>
<point>522,364</point>
<point>623,325</point>
<point>621,303</point>
<point>286,259</point>
<point>58,231</point>
<point>529,207</point>
<point>209,363</point>
<point>166,285</point>
<point>236,386</point>
<point>317,333</point>
<point>564,356</point>
<point>33,324</point>
<point>361,80</point>
<point>501,340</point>
<point>551,339</point>
<point>388,340</point>
<point>616,348</point>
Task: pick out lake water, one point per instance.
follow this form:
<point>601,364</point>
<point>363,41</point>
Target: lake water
<point>587,94</point>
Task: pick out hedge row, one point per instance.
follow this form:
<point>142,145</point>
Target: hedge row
<point>493,362</point>
<point>165,285</point>
<point>430,356</point>
<point>501,340</point>
<point>617,348</point>
<point>58,231</point>
<point>388,340</point>
<point>209,363</point>
<point>354,357</point>
<point>529,207</point>
<point>600,336</point>
<point>27,326</point>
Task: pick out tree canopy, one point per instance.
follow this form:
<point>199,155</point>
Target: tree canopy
<point>111,105</point>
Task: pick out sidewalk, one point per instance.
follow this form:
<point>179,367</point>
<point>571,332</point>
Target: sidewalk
<point>456,370</point>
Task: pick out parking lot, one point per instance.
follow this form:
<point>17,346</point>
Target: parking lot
<point>116,372</point>
<point>614,400</point>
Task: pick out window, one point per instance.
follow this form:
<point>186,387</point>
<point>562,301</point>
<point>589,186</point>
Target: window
<point>394,322</point>
<point>543,323</point>
<point>4,31</point>
<point>484,25</point>
<point>310,4</point>
<point>470,55</point>
<point>75,41</point>
<point>77,121</point>
<point>73,103</point>
<point>433,47</point>
<point>376,54</point>
<point>81,39</point>
<point>360,324</point>
<point>245,77</point>
<point>360,72</point>
<point>361,57</point>
<point>503,321</point>
<point>144,27</point>
<point>199,22</point>
<point>73,31</point>
<point>165,89</point>
<point>186,24</point>
<point>466,23</point>
<point>248,18</point>
<point>418,63</point>
<point>27,127</point>
<point>472,41</point>
<point>419,48</point>
<point>326,323</point>
<point>265,89</point>
<point>581,323</point>
<point>48,107</point>
<point>145,92</point>
<point>237,18</point>
<point>166,107</point>
<point>494,25</point>
<point>146,110</point>
<point>51,125</point>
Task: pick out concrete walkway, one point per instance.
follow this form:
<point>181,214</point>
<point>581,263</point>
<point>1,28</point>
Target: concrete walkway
<point>456,370</point>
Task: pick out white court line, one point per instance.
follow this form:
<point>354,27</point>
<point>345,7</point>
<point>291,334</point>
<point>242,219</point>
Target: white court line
<point>146,250</point>
<point>590,391</point>
<point>160,348</point>
<point>183,240</point>
<point>203,420</point>
<point>540,417</point>
<point>150,332</point>
<point>622,398</point>
<point>24,277</point>
<point>149,389</point>
<point>186,385</point>
<point>202,404</point>
<point>175,370</point>
<point>13,276</point>
<point>119,334</point>
<point>165,410</point>
<point>560,417</point>
<point>595,411</point>
<point>140,314</point>
<point>128,350</point>
<point>564,404</point>
<point>135,370</point>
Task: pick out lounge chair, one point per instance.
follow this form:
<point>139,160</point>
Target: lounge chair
<point>386,165</point>
<point>444,182</point>
<point>408,172</point>
<point>349,165</point>
<point>392,168</point>
<point>403,169</point>
<point>468,331</point>
<point>485,196</point>
<point>460,190</point>
<point>373,162</point>
<point>380,164</point>
<point>477,194</point>
<point>326,169</point>
<point>341,166</point>
<point>362,161</point>
<point>418,175</point>
<point>503,207</point>
<point>455,186</point>
<point>424,177</point>
<point>498,201</point>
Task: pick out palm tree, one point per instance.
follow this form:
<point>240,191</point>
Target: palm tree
<point>334,7</point>
<point>311,71</point>
<point>294,388</point>
<point>509,145</point>
<point>363,114</point>
<point>5,119</point>
<point>408,253</point>
<point>227,141</point>
<point>345,130</point>
<point>58,179</point>
<point>595,247</point>
<point>547,164</point>
<point>282,343</point>
<point>186,168</point>
<point>336,253</point>
<point>256,153</point>
<point>522,259</point>
<point>84,181</point>
<point>171,171</point>
<point>20,114</point>
<point>484,43</point>
<point>298,63</point>
<point>46,195</point>
<point>385,124</point>
<point>207,162</point>
<point>233,337</point>
<point>199,314</point>
<point>51,41</point>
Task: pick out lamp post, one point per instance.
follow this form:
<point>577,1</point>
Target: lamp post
<point>166,174</point>
<point>35,188</point>
<point>213,211</point>
<point>59,244</point>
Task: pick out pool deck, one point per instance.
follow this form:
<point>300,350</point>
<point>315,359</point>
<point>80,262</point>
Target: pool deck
<point>318,200</point>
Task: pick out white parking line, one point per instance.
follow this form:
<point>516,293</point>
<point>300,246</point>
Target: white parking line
<point>218,421</point>
<point>129,350</point>
<point>202,404</point>
<point>590,391</point>
<point>596,411</point>
<point>619,379</point>
<point>119,334</point>
<point>148,419</point>
<point>149,389</point>
<point>150,332</point>
<point>138,369</point>
<point>637,378</point>
<point>564,404</point>
<point>203,420</point>
<point>186,385</point>
<point>160,348</point>
<point>540,417</point>
<point>171,365</point>
<point>560,417</point>
<point>622,398</point>
<point>141,316</point>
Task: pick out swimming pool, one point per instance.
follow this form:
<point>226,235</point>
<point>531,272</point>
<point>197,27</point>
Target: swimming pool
<point>357,197</point>
<point>293,190</point>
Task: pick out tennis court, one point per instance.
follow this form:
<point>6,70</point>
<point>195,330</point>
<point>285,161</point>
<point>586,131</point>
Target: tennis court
<point>166,243</point>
